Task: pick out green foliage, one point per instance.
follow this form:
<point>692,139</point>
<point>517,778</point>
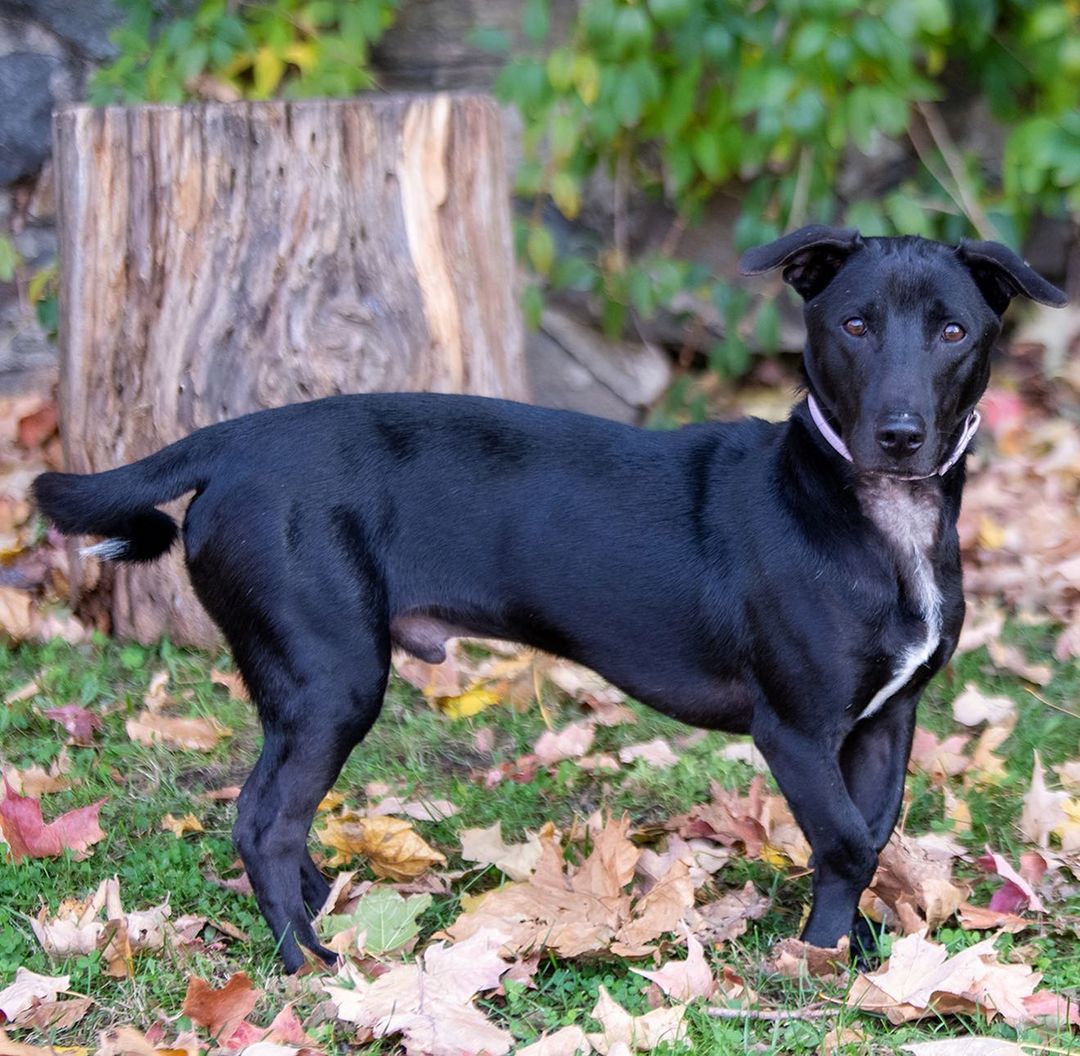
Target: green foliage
<point>683,100</point>
<point>171,50</point>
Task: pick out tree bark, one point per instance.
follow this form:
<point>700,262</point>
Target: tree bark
<point>219,259</point>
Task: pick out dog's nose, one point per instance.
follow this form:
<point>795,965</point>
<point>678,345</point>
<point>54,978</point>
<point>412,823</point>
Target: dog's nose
<point>901,434</point>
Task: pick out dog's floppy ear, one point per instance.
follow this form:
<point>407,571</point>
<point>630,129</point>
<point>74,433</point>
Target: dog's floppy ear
<point>1000,275</point>
<point>810,257</point>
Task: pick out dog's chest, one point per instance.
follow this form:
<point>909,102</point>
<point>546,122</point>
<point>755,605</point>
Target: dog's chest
<point>908,516</point>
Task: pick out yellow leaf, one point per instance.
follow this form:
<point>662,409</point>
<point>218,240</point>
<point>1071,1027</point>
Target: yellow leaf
<point>303,56</point>
<point>331,801</point>
<point>991,534</point>
<point>268,69</point>
<point>469,703</point>
<point>777,859</point>
<point>179,826</point>
<point>392,846</point>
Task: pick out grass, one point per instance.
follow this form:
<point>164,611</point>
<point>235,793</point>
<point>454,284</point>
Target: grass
<point>427,755</point>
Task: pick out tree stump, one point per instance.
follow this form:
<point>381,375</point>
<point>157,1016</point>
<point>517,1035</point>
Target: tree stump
<point>220,259</point>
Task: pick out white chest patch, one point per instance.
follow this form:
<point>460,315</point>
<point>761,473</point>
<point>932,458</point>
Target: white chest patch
<point>907,516</point>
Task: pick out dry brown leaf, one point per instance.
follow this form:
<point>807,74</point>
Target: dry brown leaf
<point>222,1010</point>
<point>973,706</point>
<point>487,847</point>
<point>571,742</point>
<point>968,1045</point>
<point>637,1033</point>
<point>24,692</point>
<point>987,768</point>
<point>29,988</point>
<point>1011,658</point>
<point>920,979</point>
<point>200,735</point>
<point>179,827</point>
<point>393,848</point>
<point>799,960</point>
<point>49,1016</point>
<point>233,681</point>
<point>656,752</point>
<point>35,781</point>
<point>27,835</point>
<point>687,979</point>
<point>728,917</point>
<point>914,886</point>
<point>157,694</point>
<point>429,1003</point>
<point>1043,809</point>
<point>983,918</point>
<point>417,809</point>
<point>939,759</point>
<point>574,911</point>
<point>569,1041</point>
<point>17,617</point>
<point>10,1047</point>
<point>78,721</point>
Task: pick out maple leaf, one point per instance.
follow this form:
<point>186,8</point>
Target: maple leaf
<point>618,1028</point>
<point>151,727</point>
<point>939,759</point>
<point>973,706</point>
<point>28,836</point>
<point>572,742</point>
<point>392,846</point>
<point>220,1011</point>
<point>1043,809</point>
<point>179,827</point>
<point>798,960</point>
<point>429,1003</point>
<point>36,782</point>
<point>487,847</point>
<point>728,917</point>
<point>78,722</point>
<point>1016,893</point>
<point>17,616</point>
<point>585,909</point>
<point>381,921</point>
<point>687,979</point>
<point>569,1041</point>
<point>417,809</point>
<point>914,886</point>
<point>656,752</point>
<point>920,979</point>
<point>29,988</point>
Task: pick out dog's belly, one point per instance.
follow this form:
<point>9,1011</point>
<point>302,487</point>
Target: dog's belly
<point>703,699</point>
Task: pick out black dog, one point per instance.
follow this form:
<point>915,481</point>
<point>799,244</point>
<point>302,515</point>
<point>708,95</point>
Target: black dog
<point>797,581</point>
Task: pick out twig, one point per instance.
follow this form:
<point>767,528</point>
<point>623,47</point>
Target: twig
<point>1050,704</point>
<point>957,188</point>
<point>779,1015</point>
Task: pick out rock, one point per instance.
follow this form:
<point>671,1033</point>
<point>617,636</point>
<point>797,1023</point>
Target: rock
<point>26,102</point>
<point>575,368</point>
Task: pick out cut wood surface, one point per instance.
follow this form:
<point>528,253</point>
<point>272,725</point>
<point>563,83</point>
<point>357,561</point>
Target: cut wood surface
<point>223,258</point>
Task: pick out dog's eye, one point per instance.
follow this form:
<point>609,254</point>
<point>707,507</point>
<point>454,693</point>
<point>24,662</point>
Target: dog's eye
<point>953,332</point>
<point>855,326</point>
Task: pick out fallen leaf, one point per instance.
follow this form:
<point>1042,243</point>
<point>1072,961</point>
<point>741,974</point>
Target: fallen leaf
<point>940,759</point>
<point>417,809</point>
<point>233,681</point>
<point>745,752</point>
<point>25,692</point>
<point>179,827</point>
<point>1043,809</point>
<point>429,1003</point>
<point>1016,893</point>
<point>35,781</point>
<point>973,706</point>
<point>641,1033</point>
<point>467,704</point>
<point>656,752</point>
<point>10,1047</point>
<point>200,735</point>
<point>220,1011</point>
<point>1011,658</point>
<point>53,1016</point>
<point>28,988</point>
<point>728,917</point>
<point>983,918</point>
<point>968,1045</point>
<point>584,909</point>
<point>392,846</point>
<point>569,1041</point>
<point>17,617</point>
<point>79,722</point>
<point>987,768</point>
<point>28,836</point>
<point>487,847</point>
<point>798,960</point>
<point>687,979</point>
<point>385,919</point>
<point>571,742</point>
<point>914,886</point>
<point>920,979</point>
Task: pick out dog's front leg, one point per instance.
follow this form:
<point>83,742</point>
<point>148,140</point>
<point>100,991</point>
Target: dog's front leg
<point>807,768</point>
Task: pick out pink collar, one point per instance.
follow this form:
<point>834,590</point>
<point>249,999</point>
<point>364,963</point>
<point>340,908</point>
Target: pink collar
<point>838,445</point>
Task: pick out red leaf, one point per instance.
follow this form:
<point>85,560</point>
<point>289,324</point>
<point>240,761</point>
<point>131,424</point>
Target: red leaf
<point>29,837</point>
<point>79,722</point>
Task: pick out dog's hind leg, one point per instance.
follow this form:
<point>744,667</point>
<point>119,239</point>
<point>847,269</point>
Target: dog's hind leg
<point>307,740</point>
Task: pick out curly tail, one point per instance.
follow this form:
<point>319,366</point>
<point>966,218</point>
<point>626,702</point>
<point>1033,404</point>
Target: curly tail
<point>120,503</point>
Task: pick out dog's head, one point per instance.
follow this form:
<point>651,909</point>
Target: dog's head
<point>899,335</point>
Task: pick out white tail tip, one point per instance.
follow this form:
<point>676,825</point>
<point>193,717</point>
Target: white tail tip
<point>107,550</point>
